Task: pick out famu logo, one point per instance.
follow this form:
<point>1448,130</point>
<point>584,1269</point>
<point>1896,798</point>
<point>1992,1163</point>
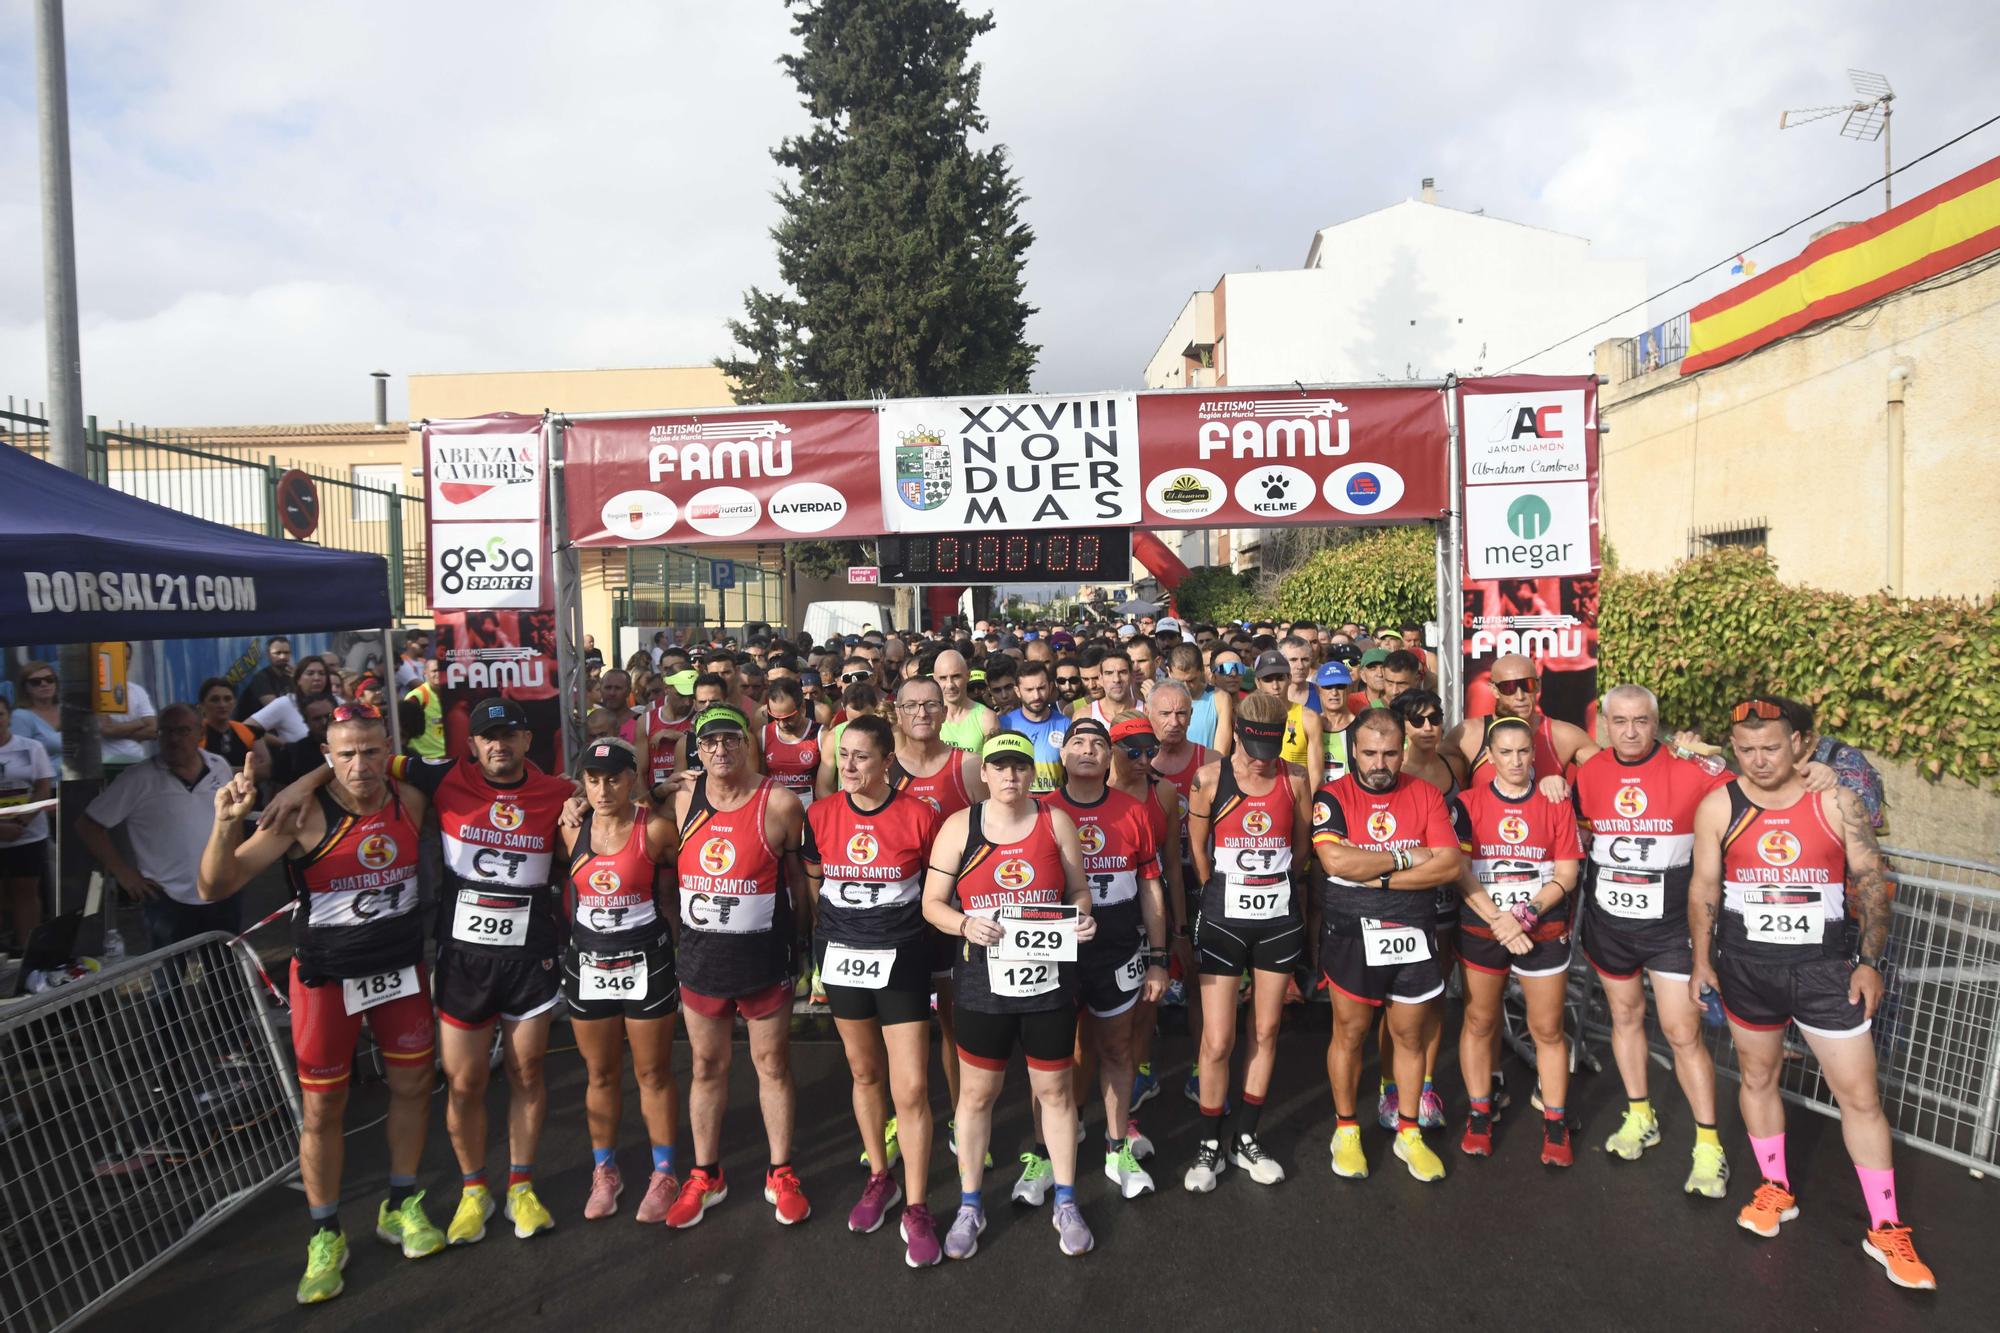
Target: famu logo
<point>1513,829</point>
<point>718,855</point>
<point>1090,838</point>
<point>1778,847</point>
<point>1528,517</point>
<point>1014,874</point>
<point>505,815</point>
<point>1630,802</point>
<point>1257,823</point>
<point>604,882</point>
<point>861,849</point>
<point>493,565</point>
<point>1381,825</point>
<point>377,851</point>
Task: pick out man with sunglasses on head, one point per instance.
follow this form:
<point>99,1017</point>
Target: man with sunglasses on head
<point>1776,867</point>
<point>1559,746</point>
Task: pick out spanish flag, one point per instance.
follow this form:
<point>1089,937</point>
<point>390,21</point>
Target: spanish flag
<point>1938,230</point>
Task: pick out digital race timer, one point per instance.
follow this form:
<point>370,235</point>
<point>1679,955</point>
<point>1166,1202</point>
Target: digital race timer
<point>1061,555</point>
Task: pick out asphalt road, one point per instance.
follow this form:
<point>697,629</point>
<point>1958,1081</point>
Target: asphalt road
<point>1501,1242</point>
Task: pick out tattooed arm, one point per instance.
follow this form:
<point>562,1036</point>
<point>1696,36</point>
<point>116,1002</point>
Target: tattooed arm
<point>1868,882</point>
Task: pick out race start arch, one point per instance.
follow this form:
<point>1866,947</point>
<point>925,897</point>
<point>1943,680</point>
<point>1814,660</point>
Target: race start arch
<point>1512,459</point>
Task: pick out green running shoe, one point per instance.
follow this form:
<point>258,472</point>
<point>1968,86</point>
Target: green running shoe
<point>325,1259</point>
<point>890,1150</point>
<point>1639,1132</point>
<point>408,1227</point>
<point>1037,1177</point>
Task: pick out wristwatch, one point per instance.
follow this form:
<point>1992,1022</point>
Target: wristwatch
<point>1384,881</point>
<point>1875,961</point>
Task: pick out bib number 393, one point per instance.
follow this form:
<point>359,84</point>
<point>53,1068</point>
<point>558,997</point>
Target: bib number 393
<point>1634,897</point>
<point>496,920</point>
<point>611,976</point>
<point>1388,945</point>
<point>363,993</point>
<point>863,969</point>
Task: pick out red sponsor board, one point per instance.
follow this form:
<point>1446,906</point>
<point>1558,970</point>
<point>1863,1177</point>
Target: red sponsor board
<point>506,655</point>
<point>1259,458</point>
<point>779,473</point>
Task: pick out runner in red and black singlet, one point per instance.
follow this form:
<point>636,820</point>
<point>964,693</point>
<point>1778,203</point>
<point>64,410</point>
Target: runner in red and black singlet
<point>1247,826</point>
<point>1119,835</point>
<point>1385,841</point>
<point>1636,807</point>
<point>663,734</point>
<point>791,751</point>
<point>1007,852</point>
<point>1777,867</point>
<point>618,973</point>
<point>866,859</point>
<point>359,940</point>
<point>1525,863</point>
<point>739,872</point>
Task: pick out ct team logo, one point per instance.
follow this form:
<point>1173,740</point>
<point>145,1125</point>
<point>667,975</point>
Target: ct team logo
<point>377,851</point>
<point>1257,823</point>
<point>1091,838</point>
<point>506,815</point>
<point>604,882</point>
<point>923,469</point>
<point>861,849</point>
<point>1778,847</point>
<point>1630,802</point>
<point>1513,829</point>
<point>1014,874</point>
<point>1381,825</point>
<point>718,855</point>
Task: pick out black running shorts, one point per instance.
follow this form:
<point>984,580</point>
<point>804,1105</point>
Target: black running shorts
<point>475,987</point>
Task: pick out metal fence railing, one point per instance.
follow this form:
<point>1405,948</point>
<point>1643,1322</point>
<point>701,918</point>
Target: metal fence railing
<point>1662,345</point>
<point>1937,1032</point>
<point>138,1108</point>
<point>236,486</point>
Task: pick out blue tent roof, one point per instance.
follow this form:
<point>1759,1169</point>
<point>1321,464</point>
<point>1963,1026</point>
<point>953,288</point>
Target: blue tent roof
<point>82,563</point>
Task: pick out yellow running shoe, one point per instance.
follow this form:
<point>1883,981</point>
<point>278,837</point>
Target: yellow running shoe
<point>1640,1131</point>
<point>324,1262</point>
<point>408,1228</point>
<point>1417,1155</point>
<point>1349,1162</point>
<point>468,1224</point>
<point>525,1211</point>
<point>1710,1177</point>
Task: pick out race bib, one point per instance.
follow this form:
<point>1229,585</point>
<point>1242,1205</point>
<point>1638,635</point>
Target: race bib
<point>1131,972</point>
<point>1385,944</point>
<point>1036,934</point>
<point>611,976</point>
<point>1632,895</point>
<point>1800,919</point>
<point>496,920</point>
<point>1507,890</point>
<point>1256,902</point>
<point>1019,981</point>
<point>863,969</point>
<point>362,993</point>
<point>728,913</point>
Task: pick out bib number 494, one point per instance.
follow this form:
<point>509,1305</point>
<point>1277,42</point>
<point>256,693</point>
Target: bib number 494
<point>864,969</point>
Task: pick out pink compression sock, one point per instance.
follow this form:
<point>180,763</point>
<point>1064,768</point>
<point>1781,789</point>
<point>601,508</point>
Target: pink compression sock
<point>1771,1160</point>
<point>1879,1189</point>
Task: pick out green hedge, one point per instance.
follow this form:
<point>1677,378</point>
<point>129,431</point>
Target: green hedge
<point>1215,593</point>
<point>1914,680</point>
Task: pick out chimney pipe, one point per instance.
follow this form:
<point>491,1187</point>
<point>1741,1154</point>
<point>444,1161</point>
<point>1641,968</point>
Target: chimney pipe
<point>1430,189</point>
<point>381,378</point>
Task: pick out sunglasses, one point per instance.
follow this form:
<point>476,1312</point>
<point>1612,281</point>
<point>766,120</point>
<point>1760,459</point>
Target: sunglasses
<point>1427,720</point>
<point>1069,680</point>
<point>1760,708</point>
<point>1524,685</point>
<point>1139,749</point>
<point>1228,668</point>
<point>856,677</point>
<point>727,740</point>
<point>357,712</point>
<point>39,680</point>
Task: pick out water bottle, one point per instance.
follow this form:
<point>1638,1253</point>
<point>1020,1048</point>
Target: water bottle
<point>114,944</point>
<point>1711,1007</point>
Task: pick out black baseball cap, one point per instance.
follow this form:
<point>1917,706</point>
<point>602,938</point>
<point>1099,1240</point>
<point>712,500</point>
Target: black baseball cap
<point>1271,664</point>
<point>609,755</point>
<point>498,715</point>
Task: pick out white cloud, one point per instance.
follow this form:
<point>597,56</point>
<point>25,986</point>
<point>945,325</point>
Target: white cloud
<point>274,200</point>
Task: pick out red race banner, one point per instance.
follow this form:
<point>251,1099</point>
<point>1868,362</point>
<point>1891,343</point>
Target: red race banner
<point>776,473</point>
<point>1223,458</point>
<point>501,654</point>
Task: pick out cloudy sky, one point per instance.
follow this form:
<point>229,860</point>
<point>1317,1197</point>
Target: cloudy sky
<point>274,200</point>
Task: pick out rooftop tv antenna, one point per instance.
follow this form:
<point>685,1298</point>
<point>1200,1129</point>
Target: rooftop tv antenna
<point>1867,118</point>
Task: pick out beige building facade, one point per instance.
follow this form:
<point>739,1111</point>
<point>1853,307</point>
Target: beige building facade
<point>1860,452</point>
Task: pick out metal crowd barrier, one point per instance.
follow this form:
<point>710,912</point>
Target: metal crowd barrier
<point>1937,1032</point>
<point>138,1108</point>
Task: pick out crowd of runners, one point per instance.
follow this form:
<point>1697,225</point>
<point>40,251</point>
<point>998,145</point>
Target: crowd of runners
<point>1032,837</point>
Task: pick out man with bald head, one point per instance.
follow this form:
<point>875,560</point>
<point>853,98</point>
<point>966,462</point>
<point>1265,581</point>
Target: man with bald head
<point>967,722</point>
<point>1559,746</point>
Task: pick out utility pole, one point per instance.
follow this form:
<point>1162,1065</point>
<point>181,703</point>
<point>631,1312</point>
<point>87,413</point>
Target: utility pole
<point>65,354</point>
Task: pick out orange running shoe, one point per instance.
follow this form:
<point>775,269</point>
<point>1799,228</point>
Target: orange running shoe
<point>1890,1247</point>
<point>781,1189</point>
<point>1771,1205</point>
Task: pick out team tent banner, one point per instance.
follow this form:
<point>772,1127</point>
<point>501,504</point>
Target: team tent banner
<point>1921,238</point>
<point>1227,458</point>
<point>777,473</point>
